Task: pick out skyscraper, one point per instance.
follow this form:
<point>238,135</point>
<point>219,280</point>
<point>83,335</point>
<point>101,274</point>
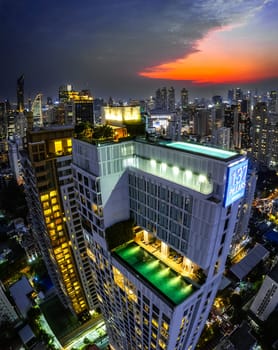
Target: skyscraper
<point>184,98</point>
<point>158,102</point>
<point>55,221</point>
<point>164,99</point>
<point>20,93</point>
<point>160,222</point>
<point>78,106</point>
<point>273,102</point>
<point>37,110</point>
<point>171,99</point>
<point>261,148</point>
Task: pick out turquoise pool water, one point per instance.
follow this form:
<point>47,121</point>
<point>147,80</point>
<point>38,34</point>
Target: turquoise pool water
<point>204,150</point>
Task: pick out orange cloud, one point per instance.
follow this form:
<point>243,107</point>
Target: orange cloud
<point>222,57</point>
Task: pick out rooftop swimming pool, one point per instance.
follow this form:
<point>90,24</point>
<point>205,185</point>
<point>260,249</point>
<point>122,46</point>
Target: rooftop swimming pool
<point>200,149</point>
<point>172,285</point>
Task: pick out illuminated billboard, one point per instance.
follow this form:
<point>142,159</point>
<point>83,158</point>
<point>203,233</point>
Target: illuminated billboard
<point>236,182</point>
<point>122,114</point>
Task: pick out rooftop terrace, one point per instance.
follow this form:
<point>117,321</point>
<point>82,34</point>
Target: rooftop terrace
<point>173,286</point>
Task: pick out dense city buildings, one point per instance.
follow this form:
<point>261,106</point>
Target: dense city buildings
<point>78,105</point>
<point>135,206</point>
<point>160,217</point>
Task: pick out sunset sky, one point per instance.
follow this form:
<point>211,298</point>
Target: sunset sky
<point>129,48</point>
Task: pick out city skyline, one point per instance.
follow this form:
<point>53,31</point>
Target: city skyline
<point>129,48</point>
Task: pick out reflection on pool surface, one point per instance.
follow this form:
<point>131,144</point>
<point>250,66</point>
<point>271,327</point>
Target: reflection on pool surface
<point>167,281</point>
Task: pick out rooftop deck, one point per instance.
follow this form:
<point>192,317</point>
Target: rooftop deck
<point>171,284</point>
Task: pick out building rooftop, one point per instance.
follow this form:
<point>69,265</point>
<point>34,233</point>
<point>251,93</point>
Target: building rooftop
<point>173,286</point>
<point>245,266</point>
<point>242,338</point>
<point>20,292</point>
<point>273,274</point>
<point>201,150</point>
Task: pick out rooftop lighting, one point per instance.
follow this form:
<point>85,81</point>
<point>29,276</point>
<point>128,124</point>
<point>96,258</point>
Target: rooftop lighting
<point>176,170</point>
<point>188,174</point>
<point>202,178</point>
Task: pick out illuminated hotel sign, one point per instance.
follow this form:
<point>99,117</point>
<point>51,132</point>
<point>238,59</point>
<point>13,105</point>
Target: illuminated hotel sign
<point>236,182</point>
<point>122,114</point>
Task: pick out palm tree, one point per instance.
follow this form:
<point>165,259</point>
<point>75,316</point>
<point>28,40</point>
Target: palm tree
<point>102,132</point>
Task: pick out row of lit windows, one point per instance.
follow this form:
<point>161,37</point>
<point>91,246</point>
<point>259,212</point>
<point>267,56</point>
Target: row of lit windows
<point>62,254</point>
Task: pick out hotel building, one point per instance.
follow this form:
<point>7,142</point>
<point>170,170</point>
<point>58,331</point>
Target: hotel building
<point>160,219</point>
<point>53,213</point>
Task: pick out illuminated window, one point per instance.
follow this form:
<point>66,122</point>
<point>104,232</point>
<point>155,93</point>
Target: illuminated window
<point>58,146</point>
<point>162,344</point>
<point>53,193</point>
<point>44,197</point>
<point>55,207</point>
<point>45,205</point>
<point>47,212</point>
<point>155,323</point>
<point>52,233</point>
<point>118,278</point>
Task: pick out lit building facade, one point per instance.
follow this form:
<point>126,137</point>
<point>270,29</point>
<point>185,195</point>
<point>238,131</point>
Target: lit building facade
<point>160,217</point>
<point>55,220</point>
<point>260,133</point>
<point>78,106</point>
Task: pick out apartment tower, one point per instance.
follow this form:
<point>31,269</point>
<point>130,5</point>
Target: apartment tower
<point>55,220</point>
<point>160,219</point>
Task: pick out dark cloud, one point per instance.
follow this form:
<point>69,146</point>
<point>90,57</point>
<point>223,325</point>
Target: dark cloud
<point>103,44</point>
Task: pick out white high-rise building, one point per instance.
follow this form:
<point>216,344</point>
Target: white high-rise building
<point>160,219</point>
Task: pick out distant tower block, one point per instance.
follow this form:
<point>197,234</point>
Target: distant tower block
<point>37,110</point>
<point>20,93</point>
